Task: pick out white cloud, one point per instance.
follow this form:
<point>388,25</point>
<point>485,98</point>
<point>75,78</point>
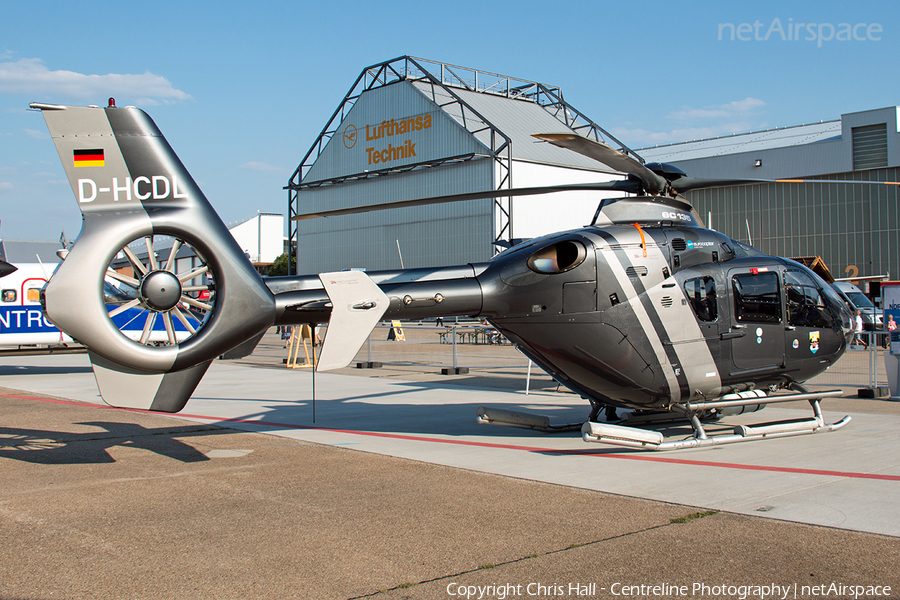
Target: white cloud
<point>729,110</point>
<point>31,76</point>
<point>706,122</point>
<point>5,185</point>
<point>639,138</point>
<point>38,135</point>
<point>263,167</point>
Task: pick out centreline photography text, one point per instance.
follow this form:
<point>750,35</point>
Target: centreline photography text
<point>766,591</point>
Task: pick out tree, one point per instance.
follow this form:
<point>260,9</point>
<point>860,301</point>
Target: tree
<point>280,266</point>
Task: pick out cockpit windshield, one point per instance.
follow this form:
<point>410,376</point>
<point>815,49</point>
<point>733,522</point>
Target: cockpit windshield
<point>741,250</point>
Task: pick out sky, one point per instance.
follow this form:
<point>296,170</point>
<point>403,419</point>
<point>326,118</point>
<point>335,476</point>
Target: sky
<point>242,90</point>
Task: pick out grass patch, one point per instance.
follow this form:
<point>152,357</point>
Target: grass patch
<point>692,516</point>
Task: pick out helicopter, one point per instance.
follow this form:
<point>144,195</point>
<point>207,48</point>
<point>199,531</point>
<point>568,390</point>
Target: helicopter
<point>644,310</point>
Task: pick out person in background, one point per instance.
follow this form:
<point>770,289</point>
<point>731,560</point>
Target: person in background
<point>858,330</point>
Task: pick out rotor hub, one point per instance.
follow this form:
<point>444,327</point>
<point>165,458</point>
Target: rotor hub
<point>160,291</point>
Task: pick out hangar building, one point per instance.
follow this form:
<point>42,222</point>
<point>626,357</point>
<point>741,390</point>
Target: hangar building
<point>411,128</point>
<point>854,228</point>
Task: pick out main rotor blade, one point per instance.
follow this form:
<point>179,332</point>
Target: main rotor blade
<point>6,268</point>
<point>620,185</point>
<point>653,183</point>
<point>686,184</point>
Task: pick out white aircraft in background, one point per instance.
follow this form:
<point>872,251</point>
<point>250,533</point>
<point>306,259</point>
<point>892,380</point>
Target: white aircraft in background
<point>22,323</point>
<point>25,328</point>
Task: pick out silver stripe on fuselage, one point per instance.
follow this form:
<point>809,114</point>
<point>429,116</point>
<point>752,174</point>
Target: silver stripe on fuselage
<point>685,336</point>
<point>679,323</point>
<point>614,259</point>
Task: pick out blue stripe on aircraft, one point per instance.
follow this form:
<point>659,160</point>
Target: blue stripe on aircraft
<point>24,319</point>
<point>30,319</point>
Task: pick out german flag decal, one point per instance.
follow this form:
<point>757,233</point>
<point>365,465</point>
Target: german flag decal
<point>88,158</point>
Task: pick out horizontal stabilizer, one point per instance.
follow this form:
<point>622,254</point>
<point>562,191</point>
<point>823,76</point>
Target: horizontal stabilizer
<point>357,306</point>
<point>124,387</point>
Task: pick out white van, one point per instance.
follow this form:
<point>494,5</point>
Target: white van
<point>857,301</point>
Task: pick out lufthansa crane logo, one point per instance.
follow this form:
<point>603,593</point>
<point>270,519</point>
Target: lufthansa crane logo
<point>349,136</point>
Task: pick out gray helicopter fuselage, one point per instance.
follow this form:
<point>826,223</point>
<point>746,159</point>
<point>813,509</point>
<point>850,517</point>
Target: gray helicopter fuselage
<point>639,316</point>
<point>651,316</point>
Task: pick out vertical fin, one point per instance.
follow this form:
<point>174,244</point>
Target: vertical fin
<point>125,387</point>
<point>130,185</point>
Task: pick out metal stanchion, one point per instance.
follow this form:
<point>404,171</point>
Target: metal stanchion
<point>369,364</point>
<point>455,370</point>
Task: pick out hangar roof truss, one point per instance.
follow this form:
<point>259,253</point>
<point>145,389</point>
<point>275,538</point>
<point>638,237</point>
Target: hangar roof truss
<point>447,86</point>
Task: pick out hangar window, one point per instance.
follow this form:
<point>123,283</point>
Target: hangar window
<point>558,258</point>
<point>870,147</point>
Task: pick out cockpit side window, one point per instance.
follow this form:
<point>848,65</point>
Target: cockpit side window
<point>701,293</point>
<point>757,298</point>
<point>806,307</point>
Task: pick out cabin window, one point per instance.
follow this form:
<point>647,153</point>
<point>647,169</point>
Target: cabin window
<point>558,258</point>
<point>701,292</point>
<point>757,298</point>
<point>805,305</point>
<point>9,295</point>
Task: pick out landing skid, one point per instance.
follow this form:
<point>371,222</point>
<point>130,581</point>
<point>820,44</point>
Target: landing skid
<point>632,437</point>
<point>635,437</point>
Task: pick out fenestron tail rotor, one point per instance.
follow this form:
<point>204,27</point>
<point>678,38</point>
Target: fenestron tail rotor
<point>160,302</point>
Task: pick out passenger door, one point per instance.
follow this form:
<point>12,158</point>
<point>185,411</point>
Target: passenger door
<point>757,329</point>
